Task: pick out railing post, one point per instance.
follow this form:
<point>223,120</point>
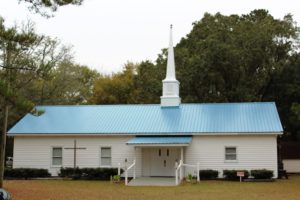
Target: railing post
<point>126,176</point>
<point>134,170</point>
<point>180,170</point>
<point>198,172</point>
<point>176,176</point>
<point>176,166</point>
<point>119,169</point>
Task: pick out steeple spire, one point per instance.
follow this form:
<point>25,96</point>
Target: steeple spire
<point>171,61</point>
<point>170,95</point>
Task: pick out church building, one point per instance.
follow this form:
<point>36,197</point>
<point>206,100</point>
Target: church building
<point>156,139</point>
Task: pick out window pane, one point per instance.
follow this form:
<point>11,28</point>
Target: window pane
<point>230,157</point>
<point>57,152</point>
<point>105,152</point>
<point>56,161</point>
<point>230,150</point>
<point>105,161</point>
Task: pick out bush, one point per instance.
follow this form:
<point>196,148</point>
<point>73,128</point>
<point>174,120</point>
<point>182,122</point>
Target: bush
<point>116,178</point>
<point>262,174</point>
<point>231,174</point>
<point>25,173</point>
<point>89,173</point>
<point>208,174</point>
<point>69,172</point>
<point>189,177</point>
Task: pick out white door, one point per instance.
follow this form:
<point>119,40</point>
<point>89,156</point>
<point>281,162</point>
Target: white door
<point>162,161</point>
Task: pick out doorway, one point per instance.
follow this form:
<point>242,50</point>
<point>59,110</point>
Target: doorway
<point>160,161</point>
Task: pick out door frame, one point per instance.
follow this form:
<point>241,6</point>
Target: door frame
<point>148,157</point>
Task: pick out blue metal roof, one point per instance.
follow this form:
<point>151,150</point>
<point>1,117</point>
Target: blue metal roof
<point>160,140</point>
<point>153,119</point>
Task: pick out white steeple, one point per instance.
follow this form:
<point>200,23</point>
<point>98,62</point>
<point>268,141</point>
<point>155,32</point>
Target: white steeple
<point>170,95</point>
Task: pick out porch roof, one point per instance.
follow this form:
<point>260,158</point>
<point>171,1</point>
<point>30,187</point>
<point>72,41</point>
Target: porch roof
<point>154,141</point>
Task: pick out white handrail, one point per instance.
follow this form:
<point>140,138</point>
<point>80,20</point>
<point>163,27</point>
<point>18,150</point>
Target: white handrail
<point>181,164</point>
<point>176,172</point>
<point>126,172</point>
<point>188,165</point>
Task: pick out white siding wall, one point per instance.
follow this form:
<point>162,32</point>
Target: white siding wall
<point>292,166</point>
<point>253,152</point>
<point>36,152</point>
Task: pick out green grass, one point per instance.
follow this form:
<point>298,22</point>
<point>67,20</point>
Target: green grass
<point>208,190</point>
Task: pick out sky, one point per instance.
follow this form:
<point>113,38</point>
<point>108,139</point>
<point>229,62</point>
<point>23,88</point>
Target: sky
<point>105,34</point>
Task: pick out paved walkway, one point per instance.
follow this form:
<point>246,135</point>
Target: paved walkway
<point>152,181</point>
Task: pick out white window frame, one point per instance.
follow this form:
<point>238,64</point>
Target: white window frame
<point>62,157</point>
<point>236,154</point>
<point>100,156</point>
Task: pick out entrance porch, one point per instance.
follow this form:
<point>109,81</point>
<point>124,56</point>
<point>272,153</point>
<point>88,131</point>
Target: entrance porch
<point>162,160</point>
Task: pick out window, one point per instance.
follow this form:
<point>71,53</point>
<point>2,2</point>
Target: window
<point>105,156</point>
<point>159,152</point>
<point>56,156</point>
<point>167,152</point>
<point>230,154</point>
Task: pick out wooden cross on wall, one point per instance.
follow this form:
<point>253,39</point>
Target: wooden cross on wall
<point>75,148</point>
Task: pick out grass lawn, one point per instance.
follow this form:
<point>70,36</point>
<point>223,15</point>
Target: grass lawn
<point>208,190</point>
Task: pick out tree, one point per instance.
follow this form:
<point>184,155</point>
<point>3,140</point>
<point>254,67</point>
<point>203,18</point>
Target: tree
<point>232,58</point>
<point>68,83</point>
<point>12,44</point>
<point>44,6</point>
<point>24,55</point>
<point>296,110</point>
<point>148,82</point>
<point>285,91</point>
<point>115,89</point>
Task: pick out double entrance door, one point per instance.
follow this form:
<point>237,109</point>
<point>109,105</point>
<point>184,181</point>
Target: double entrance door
<point>160,161</point>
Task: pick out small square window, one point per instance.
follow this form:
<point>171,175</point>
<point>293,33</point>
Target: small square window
<point>230,154</point>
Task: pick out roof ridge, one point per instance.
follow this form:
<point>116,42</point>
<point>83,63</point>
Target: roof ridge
<point>97,105</point>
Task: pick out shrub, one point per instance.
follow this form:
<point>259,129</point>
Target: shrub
<point>68,172</point>
<point>116,178</point>
<point>89,173</point>
<point>262,174</point>
<point>231,174</point>
<point>189,177</point>
<point>25,173</point>
<point>208,174</point>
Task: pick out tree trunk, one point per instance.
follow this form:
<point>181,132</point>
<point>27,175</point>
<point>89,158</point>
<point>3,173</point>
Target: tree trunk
<point>3,145</point>
<point>5,119</point>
